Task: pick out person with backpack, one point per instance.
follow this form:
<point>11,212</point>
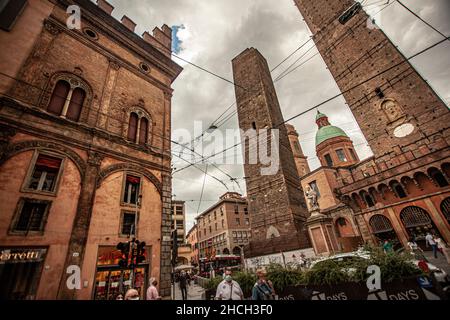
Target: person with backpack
<point>263,289</point>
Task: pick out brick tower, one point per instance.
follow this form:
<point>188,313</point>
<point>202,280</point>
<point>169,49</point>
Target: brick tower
<point>394,110</point>
<point>276,204</point>
<point>300,159</point>
<point>403,191</point>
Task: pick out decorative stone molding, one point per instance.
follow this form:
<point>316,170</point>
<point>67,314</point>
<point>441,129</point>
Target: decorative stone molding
<point>129,167</point>
<point>52,27</point>
<point>95,158</point>
<point>19,147</point>
<point>114,65</point>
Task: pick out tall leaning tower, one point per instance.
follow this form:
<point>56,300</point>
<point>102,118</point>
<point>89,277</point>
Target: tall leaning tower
<point>394,110</point>
<point>276,203</point>
<point>402,191</point>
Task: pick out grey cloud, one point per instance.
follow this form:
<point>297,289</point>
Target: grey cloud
<point>221,29</point>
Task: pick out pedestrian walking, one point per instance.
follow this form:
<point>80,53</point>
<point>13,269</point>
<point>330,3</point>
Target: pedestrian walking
<point>387,246</point>
<point>229,289</point>
<point>430,242</point>
<point>183,282</point>
<point>152,291</point>
<point>263,289</point>
<point>440,244</point>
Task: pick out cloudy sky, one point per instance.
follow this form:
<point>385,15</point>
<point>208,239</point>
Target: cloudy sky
<point>216,31</point>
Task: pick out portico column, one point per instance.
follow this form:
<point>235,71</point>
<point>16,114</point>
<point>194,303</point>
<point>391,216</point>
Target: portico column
<point>397,227</point>
<point>81,223</point>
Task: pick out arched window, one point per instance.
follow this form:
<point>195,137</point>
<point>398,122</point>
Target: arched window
<point>445,208</point>
<point>368,199</point>
<point>438,177</point>
<point>414,217</point>
<point>58,98</point>
<point>75,105</point>
<point>226,251</point>
<point>138,127</point>
<point>379,223</point>
<point>418,223</point>
<point>398,189</point>
<point>236,251</point>
<point>132,127</point>
<point>67,100</point>
<point>143,131</point>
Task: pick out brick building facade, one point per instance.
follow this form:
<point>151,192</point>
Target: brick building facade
<point>192,240</point>
<point>403,190</point>
<point>224,228</point>
<point>85,119</point>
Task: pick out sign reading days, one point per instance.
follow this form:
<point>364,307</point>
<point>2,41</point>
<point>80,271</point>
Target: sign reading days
<point>21,255</point>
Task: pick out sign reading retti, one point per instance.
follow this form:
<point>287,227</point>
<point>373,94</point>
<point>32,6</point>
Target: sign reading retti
<point>21,255</point>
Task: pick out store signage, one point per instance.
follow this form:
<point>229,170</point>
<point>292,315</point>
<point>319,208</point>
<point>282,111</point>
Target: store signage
<point>21,255</point>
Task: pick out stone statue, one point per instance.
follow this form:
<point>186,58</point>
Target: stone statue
<point>311,195</point>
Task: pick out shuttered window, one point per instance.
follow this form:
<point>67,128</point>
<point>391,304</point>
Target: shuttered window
<point>143,131</point>
<point>59,97</point>
<point>132,127</point>
<point>45,173</point>
<point>76,103</point>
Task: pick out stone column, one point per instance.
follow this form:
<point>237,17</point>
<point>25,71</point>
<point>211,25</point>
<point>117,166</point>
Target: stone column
<point>396,224</point>
<point>438,220</point>
<point>80,228</point>
<point>166,267</point>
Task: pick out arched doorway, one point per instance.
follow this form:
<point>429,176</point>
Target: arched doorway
<point>382,229</point>
<point>236,251</point>
<point>445,208</point>
<point>418,223</point>
<point>344,228</point>
<point>226,251</point>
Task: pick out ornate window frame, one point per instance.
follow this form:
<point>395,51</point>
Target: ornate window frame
<point>141,113</point>
<point>27,178</point>
<point>75,81</point>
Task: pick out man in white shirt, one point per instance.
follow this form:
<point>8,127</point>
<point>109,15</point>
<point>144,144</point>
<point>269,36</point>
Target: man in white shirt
<point>229,289</point>
<point>430,241</point>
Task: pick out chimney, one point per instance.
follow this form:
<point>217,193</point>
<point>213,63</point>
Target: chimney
<point>127,22</point>
<point>105,6</point>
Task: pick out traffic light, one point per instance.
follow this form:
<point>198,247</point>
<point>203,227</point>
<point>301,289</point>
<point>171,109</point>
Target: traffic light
<point>140,252</point>
<point>124,248</point>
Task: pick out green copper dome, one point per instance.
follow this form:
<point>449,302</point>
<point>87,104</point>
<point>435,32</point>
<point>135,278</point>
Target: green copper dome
<point>328,132</point>
<point>319,115</point>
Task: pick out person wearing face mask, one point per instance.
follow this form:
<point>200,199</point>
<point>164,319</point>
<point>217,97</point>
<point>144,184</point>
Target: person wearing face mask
<point>229,289</point>
<point>152,291</point>
<point>132,294</point>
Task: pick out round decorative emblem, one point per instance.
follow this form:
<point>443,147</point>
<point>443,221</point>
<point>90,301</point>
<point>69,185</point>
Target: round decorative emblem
<point>403,130</point>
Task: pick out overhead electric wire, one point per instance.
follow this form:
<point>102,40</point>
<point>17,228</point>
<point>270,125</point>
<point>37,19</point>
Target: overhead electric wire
<point>337,95</point>
<point>421,19</point>
<point>203,188</point>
